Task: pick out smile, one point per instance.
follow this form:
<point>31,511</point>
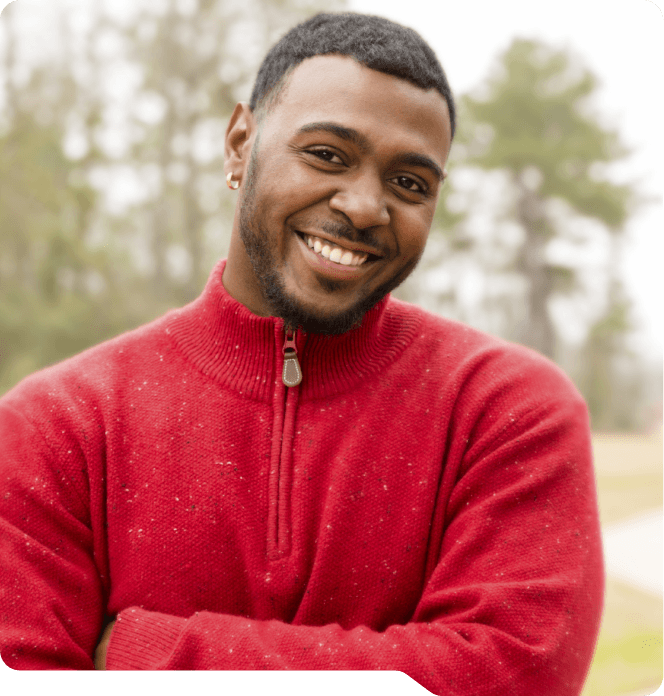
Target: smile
<point>334,252</point>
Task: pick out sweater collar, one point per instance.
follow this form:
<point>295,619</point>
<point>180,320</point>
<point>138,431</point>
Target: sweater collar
<point>244,351</point>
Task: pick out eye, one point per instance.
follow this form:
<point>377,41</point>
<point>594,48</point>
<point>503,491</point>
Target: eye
<point>410,184</point>
<point>326,155</point>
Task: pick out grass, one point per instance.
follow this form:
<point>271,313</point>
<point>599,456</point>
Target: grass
<point>628,658</point>
<point>621,497</point>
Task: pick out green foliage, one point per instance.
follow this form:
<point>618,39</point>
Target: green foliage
<point>537,111</point>
<point>46,311</point>
<point>611,378</point>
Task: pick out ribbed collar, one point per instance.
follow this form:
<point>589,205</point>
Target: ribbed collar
<point>244,351</point>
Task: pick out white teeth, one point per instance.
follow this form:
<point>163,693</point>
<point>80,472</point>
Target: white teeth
<point>336,254</point>
<point>347,258</point>
<point>330,251</point>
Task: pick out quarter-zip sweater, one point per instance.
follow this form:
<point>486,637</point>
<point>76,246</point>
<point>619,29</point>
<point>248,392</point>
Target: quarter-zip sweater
<point>423,501</point>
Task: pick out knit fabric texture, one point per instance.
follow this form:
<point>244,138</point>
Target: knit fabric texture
<point>423,501</point>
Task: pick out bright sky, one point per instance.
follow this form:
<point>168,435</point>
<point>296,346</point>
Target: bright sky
<point>622,42</point>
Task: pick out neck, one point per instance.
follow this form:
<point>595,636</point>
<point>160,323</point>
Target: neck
<point>231,344</point>
<point>238,276</point>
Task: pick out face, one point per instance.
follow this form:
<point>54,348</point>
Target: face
<point>339,183</point>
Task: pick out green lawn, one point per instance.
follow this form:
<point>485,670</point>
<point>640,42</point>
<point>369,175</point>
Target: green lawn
<point>628,658</point>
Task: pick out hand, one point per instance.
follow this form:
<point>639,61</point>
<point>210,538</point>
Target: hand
<point>100,652</point>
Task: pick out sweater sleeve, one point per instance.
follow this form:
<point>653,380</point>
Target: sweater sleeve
<point>511,602</point>
<point>50,594</point>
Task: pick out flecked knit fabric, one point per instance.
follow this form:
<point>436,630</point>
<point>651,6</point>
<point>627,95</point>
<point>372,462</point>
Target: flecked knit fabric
<point>424,501</point>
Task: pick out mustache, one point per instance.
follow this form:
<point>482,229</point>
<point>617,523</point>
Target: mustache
<point>341,231</point>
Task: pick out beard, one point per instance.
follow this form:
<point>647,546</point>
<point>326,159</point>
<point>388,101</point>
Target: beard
<point>271,282</point>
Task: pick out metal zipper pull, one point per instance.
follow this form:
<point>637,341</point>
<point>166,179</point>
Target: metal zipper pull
<point>292,374</point>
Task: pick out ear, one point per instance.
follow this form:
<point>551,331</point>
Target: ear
<point>240,136</point>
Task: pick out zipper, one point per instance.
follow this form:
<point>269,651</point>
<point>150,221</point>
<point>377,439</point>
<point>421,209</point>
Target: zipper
<point>291,374</point>
<point>281,457</point>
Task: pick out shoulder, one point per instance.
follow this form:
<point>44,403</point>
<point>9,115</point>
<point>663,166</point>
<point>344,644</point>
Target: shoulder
<point>476,365</point>
<point>91,376</point>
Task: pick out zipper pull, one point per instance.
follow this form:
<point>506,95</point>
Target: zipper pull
<point>292,374</point>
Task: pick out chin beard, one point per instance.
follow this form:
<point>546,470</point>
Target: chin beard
<point>285,306</point>
<point>294,314</point>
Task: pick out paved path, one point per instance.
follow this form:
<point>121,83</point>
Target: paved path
<point>633,551</point>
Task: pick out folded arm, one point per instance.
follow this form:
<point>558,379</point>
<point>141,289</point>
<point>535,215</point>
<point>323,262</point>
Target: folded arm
<point>511,606</point>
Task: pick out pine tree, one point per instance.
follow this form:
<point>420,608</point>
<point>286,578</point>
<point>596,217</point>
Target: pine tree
<point>535,125</point>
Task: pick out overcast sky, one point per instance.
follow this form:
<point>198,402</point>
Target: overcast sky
<point>622,42</point>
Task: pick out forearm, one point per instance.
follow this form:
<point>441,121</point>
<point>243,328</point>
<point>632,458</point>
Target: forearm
<point>454,658</point>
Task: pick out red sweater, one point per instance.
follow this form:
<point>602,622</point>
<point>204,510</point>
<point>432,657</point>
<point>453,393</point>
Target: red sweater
<point>424,501</point>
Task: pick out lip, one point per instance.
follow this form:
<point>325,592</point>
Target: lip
<point>329,268</point>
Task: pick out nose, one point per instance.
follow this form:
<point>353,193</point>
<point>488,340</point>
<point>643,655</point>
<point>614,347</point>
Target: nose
<point>361,199</point>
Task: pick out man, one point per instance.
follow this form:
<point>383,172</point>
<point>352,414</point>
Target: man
<point>297,471</point>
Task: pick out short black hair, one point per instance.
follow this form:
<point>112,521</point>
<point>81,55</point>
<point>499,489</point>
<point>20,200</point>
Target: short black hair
<point>375,42</point>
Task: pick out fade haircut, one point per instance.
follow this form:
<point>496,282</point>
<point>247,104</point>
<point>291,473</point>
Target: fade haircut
<point>375,42</point>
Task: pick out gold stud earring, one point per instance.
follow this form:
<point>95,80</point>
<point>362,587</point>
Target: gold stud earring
<point>232,184</point>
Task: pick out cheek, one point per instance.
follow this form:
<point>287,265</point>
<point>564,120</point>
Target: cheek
<point>413,231</point>
<point>289,186</point>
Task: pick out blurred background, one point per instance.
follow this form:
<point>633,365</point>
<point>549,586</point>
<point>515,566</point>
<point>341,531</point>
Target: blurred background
<point>114,209</point>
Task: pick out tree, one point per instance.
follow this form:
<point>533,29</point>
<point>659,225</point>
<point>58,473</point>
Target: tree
<point>49,279</point>
<point>534,124</point>
<point>193,59</point>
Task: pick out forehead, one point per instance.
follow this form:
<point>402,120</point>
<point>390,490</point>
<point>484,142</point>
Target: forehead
<point>384,108</point>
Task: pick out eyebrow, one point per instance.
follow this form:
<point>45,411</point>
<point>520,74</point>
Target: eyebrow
<point>351,135</point>
<point>416,160</point>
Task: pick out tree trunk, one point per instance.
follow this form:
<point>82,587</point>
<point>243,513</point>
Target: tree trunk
<point>537,330</point>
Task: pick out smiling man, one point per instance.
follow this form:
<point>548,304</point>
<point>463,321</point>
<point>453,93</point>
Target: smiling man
<point>341,188</point>
<point>297,471</point>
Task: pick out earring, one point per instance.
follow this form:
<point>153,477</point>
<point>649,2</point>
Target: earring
<point>232,184</point>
